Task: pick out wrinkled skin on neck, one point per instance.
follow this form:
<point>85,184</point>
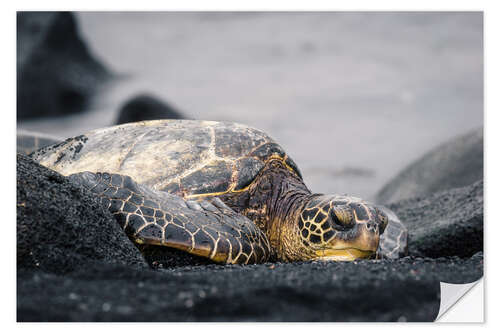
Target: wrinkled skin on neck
<point>305,226</point>
<point>274,201</point>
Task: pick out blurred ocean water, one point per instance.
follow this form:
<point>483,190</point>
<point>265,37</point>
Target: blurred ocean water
<point>352,97</point>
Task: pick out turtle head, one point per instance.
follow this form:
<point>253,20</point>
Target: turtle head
<point>333,227</point>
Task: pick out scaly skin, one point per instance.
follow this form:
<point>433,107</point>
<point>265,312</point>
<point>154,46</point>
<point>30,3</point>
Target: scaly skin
<point>304,226</point>
<point>203,160</point>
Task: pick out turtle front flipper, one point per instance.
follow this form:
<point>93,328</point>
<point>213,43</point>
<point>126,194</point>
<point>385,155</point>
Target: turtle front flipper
<point>203,228</point>
<point>394,241</point>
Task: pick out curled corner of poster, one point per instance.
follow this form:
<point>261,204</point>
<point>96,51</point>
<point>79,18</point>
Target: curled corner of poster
<point>462,302</point>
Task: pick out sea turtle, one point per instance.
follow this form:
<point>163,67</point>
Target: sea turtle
<point>220,190</point>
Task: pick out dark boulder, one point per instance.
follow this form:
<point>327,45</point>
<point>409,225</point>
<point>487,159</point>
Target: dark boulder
<point>145,107</point>
<point>56,73</point>
<point>456,163</point>
<point>62,227</point>
<point>448,223</point>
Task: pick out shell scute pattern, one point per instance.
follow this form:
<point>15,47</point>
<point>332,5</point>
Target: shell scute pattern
<point>247,169</point>
<point>187,158</point>
<point>247,139</point>
<point>214,177</point>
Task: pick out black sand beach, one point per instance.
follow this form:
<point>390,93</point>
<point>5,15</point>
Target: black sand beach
<point>75,264</point>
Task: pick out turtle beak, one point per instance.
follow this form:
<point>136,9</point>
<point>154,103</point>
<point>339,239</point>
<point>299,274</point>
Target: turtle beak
<point>347,254</point>
<point>361,243</point>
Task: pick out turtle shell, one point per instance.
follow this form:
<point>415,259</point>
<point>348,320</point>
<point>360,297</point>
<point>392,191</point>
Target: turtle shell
<point>186,157</point>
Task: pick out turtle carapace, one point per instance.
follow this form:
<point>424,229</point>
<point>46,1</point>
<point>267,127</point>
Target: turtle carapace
<point>220,190</point>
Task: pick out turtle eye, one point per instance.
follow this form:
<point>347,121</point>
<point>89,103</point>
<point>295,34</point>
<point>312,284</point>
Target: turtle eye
<point>342,218</point>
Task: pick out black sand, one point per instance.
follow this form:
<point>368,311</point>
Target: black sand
<point>75,264</point>
<point>404,290</point>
